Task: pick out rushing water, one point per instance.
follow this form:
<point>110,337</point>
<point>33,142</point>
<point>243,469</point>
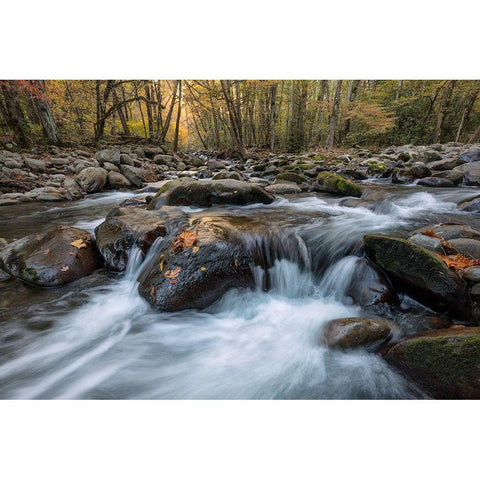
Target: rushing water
<point>97,338</point>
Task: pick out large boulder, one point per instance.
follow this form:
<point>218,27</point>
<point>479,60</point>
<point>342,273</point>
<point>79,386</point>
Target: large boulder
<point>199,265</point>
<point>332,183</point>
<point>92,179</point>
<point>419,273</point>
<point>128,226</point>
<point>449,231</point>
<point>291,177</point>
<point>419,170</point>
<point>445,363</point>
<point>108,155</point>
<point>35,164</point>
<point>117,180</point>
<point>471,155</point>
<point>133,174</point>
<point>207,193</point>
<point>446,164</point>
<point>59,255</point>
<point>471,173</point>
<point>471,204</point>
<point>226,175</point>
<point>435,182</point>
<point>356,332</point>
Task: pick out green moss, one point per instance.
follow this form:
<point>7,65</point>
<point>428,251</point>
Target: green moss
<point>29,275</point>
<point>334,183</point>
<point>377,168</point>
<point>449,358</point>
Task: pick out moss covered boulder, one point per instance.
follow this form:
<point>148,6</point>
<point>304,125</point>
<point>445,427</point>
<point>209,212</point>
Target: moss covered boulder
<point>58,256</point>
<point>419,273</point>
<point>291,177</point>
<point>444,363</point>
<point>333,183</point>
<point>208,193</point>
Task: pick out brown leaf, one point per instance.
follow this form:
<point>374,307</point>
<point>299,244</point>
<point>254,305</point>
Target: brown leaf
<point>430,233</point>
<point>152,292</point>
<point>38,238</point>
<point>64,269</point>
<point>458,262</point>
<point>78,243</point>
<point>172,273</point>
<point>184,240</point>
<point>195,249</point>
<point>46,252</point>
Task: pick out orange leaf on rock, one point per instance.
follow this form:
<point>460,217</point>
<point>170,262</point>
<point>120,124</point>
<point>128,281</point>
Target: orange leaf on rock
<point>458,262</point>
<point>430,233</point>
<point>184,240</point>
<point>172,273</point>
<point>78,243</point>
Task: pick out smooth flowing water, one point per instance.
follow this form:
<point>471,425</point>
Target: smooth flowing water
<point>97,338</point>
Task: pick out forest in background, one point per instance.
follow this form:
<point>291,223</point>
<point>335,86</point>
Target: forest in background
<point>282,115</point>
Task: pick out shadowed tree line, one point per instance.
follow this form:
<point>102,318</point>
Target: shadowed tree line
<point>286,115</point>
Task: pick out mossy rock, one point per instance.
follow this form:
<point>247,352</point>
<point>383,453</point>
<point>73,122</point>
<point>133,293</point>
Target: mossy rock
<point>334,183</point>
<point>290,177</point>
<point>419,273</point>
<point>445,363</point>
<point>377,169</point>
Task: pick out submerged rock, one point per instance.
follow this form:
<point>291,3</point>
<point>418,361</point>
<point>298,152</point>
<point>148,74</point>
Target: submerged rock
<point>445,363</point>
<point>356,332</point>
<point>435,182</point>
<point>207,193</point>
<point>333,183</point>
<point>419,273</point>
<point>58,256</point>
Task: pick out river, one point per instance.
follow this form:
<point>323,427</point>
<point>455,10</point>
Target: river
<point>97,338</point>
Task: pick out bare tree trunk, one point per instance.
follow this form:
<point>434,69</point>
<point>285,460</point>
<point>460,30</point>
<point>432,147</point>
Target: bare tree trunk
<point>334,116</point>
<point>150,121</point>
<point>121,114</point>
<point>351,95</point>
<point>399,90</point>
<point>476,136</point>
<point>169,114</point>
<point>443,110</point>
<point>179,113</point>
<point>273,98</point>
<point>44,110</point>
<point>469,103</point>
<point>14,114</point>
<point>99,126</point>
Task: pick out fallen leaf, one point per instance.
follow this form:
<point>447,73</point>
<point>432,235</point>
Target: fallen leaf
<point>173,282</point>
<point>458,262</point>
<point>161,263</point>
<point>152,291</point>
<point>38,238</point>
<point>203,269</point>
<point>184,240</point>
<point>71,253</point>
<point>236,262</point>
<point>78,243</point>
<point>46,252</point>
<point>195,249</point>
<point>64,269</point>
<point>430,233</point>
<point>172,273</point>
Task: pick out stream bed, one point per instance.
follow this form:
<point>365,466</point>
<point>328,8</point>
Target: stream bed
<point>98,338</point>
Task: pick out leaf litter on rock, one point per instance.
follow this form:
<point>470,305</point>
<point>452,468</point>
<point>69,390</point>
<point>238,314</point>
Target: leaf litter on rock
<point>185,239</point>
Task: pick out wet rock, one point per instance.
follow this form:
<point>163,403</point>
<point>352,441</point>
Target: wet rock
<point>471,173</point>
<point>419,170</point>
<point>402,176</point>
<point>433,244</point>
<point>117,180</point>
<point>470,205</point>
<point>92,179</point>
<point>472,274</point>
<point>226,175</point>
<point>215,165</point>
<point>471,155</point>
<point>128,226</point>
<point>198,275</point>
<point>110,167</point>
<point>450,230</point>
<point>446,164</point>
<point>454,176</point>
<point>445,363</point>
<point>333,183</point>
<point>126,160</point>
<point>355,332</point>
<point>466,246</point>
<point>108,155</point>
<point>207,193</point>
<point>419,273</point>
<point>49,259</point>
<point>435,182</point>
